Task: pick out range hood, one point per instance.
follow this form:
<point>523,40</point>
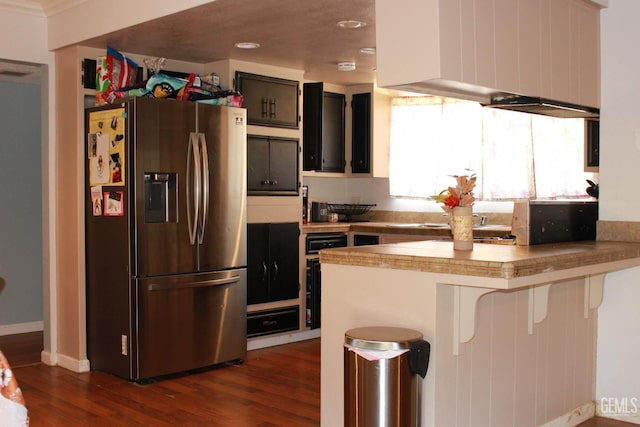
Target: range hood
<point>545,107</point>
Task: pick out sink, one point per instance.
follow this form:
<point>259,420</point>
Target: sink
<point>444,225</point>
<point>421,225</point>
<point>490,226</point>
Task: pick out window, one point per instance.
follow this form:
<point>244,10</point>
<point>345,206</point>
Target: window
<point>514,155</point>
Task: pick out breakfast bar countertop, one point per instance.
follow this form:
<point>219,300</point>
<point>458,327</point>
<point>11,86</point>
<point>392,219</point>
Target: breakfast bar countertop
<point>502,309</point>
<point>499,266</point>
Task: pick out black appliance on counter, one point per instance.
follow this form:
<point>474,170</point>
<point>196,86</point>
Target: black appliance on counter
<point>165,236</point>
<point>346,211</point>
<point>365,239</point>
<point>536,222</point>
<point>314,243</point>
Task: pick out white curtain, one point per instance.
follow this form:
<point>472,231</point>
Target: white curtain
<point>514,155</point>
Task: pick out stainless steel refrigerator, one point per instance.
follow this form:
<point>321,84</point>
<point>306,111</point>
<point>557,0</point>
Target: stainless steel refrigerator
<point>165,236</point>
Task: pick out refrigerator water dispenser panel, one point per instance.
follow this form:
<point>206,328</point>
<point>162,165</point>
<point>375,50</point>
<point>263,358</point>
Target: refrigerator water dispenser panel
<point>160,196</point>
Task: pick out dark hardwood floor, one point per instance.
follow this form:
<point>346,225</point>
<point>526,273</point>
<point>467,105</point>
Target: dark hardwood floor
<point>604,422</point>
<point>274,387</point>
<point>277,386</point>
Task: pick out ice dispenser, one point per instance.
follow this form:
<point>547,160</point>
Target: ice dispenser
<point>160,197</point>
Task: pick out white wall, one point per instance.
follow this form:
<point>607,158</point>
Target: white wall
<point>376,191</point>
<point>92,18</point>
<point>618,364</point>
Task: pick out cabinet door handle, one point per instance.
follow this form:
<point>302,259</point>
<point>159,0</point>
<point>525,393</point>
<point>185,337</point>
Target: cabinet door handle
<point>264,271</point>
<point>275,270</point>
<point>272,108</point>
<point>266,182</point>
<point>265,107</point>
<point>274,182</point>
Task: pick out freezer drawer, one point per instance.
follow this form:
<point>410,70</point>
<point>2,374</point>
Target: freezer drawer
<point>186,322</point>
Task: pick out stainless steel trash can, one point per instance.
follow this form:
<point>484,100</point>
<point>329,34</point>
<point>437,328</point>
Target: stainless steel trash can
<point>383,372</point>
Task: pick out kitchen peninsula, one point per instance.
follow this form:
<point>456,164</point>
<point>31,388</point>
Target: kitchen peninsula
<point>512,328</point>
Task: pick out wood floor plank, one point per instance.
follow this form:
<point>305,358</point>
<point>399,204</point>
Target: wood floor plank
<point>278,386</point>
<point>22,349</point>
<point>274,387</point>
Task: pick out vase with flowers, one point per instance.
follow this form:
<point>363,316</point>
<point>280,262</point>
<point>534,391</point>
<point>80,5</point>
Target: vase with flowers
<point>458,202</point>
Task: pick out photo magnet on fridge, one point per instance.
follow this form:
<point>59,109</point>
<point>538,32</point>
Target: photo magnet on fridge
<point>96,200</point>
<point>113,203</point>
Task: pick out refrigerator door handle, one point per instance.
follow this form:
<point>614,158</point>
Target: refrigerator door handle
<point>198,284</point>
<point>205,186</point>
<point>193,184</point>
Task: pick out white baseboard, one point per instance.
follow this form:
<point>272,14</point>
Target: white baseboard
<point>574,417</point>
<point>72,364</point>
<point>270,341</point>
<point>48,358</point>
<point>21,328</point>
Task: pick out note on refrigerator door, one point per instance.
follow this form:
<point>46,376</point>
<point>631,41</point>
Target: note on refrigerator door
<point>99,170</point>
<point>96,200</point>
<point>106,147</point>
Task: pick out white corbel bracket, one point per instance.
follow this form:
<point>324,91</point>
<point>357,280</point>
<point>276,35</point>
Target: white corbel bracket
<point>538,305</point>
<point>539,299</point>
<point>593,290</point>
<point>465,301</point>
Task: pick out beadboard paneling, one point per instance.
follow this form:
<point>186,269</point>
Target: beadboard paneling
<point>504,376</point>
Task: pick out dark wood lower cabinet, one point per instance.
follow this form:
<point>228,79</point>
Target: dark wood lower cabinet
<point>265,322</point>
<point>272,262</point>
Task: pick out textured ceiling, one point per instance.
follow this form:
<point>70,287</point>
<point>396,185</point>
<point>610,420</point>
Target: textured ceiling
<point>298,34</point>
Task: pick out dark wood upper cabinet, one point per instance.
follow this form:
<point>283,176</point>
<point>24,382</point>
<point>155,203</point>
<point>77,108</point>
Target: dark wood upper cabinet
<point>269,101</point>
<point>323,129</point>
<point>592,145</point>
<point>361,133</point>
<point>272,166</point>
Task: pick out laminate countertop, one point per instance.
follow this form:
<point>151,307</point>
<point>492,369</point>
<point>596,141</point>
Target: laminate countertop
<point>497,266</point>
<point>431,229</point>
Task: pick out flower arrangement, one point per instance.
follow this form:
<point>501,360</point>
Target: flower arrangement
<point>460,195</point>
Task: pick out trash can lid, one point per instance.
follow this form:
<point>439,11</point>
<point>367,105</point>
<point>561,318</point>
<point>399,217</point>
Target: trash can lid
<point>381,338</point>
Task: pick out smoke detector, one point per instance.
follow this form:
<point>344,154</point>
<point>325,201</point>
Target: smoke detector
<point>346,66</point>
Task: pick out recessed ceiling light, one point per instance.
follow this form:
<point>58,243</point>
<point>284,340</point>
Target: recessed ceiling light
<point>346,66</point>
<point>351,24</point>
<point>368,50</point>
<point>247,45</point>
